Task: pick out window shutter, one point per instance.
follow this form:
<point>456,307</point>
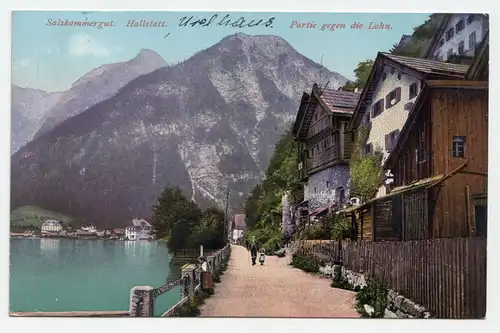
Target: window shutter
<point>398,95</point>
<point>388,101</point>
<point>388,142</point>
<point>381,102</point>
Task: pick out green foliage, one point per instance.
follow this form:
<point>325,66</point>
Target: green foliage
<point>263,209</point>
<point>184,225</point>
<point>340,228</point>
<point>375,295</point>
<point>31,217</point>
<point>306,262</point>
<point>270,238</point>
<point>365,170</point>
<point>421,38</point>
<point>361,72</point>
<point>321,229</point>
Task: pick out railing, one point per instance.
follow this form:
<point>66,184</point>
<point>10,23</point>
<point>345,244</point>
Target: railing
<point>142,298</point>
<point>325,157</point>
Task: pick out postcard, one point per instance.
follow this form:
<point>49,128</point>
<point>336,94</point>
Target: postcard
<point>249,164</point>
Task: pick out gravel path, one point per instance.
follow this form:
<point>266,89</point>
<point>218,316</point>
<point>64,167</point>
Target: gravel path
<point>275,290</point>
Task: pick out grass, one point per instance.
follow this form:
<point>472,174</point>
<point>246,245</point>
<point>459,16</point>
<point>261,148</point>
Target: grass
<point>35,216</point>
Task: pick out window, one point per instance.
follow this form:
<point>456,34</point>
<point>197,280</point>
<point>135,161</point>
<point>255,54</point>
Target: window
<point>420,155</point>
<point>460,26</point>
<point>384,76</point>
<point>458,146</point>
<point>325,144</point>
<point>472,40</point>
<point>314,189</point>
<point>413,90</point>
<point>393,98</point>
<point>449,54</point>
<point>341,195</point>
<point>378,108</point>
<point>390,140</point>
<point>368,149</point>
<point>449,34</point>
<point>470,19</point>
<point>392,71</point>
<point>399,75</point>
<point>461,47</point>
<point>441,42</point>
<point>327,184</point>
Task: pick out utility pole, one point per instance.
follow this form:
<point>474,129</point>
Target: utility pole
<point>226,224</point>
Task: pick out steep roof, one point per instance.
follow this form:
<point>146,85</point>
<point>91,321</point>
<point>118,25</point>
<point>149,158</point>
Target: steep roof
<point>339,101</point>
<point>239,221</point>
<point>300,114</point>
<point>423,69</point>
<point>430,66</point>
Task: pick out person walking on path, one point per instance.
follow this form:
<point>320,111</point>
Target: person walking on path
<point>253,251</point>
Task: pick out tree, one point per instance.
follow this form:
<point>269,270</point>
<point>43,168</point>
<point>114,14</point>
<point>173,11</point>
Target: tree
<point>210,230</point>
<point>421,38</point>
<point>365,170</point>
<point>171,208</point>
<point>361,72</point>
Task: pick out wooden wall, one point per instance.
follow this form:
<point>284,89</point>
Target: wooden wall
<point>458,112</point>
<point>407,169</point>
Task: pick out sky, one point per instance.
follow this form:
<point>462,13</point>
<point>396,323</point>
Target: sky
<point>51,58</point>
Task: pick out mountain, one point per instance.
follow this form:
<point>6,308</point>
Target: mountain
<point>205,124</point>
<point>98,85</point>
<point>28,108</point>
<point>35,112</point>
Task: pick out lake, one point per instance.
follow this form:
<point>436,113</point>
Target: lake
<point>87,275</point>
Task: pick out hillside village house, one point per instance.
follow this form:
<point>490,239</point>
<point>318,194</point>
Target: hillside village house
<point>324,147</point>
<point>237,227</point>
<point>458,37</point>
<point>51,228</point>
<point>439,165</point>
<point>139,229</point>
<point>392,87</point>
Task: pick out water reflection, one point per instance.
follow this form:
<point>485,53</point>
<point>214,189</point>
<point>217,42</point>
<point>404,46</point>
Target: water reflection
<point>49,245</point>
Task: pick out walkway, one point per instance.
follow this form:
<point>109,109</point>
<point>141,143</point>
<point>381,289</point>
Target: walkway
<point>275,290</point>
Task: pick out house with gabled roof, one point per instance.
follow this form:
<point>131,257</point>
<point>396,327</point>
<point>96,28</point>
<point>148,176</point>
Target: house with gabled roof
<point>392,87</point>
<point>459,35</point>
<point>237,227</point>
<point>324,147</point>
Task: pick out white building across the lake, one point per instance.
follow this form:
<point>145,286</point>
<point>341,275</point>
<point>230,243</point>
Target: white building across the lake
<point>51,227</point>
<point>139,229</point>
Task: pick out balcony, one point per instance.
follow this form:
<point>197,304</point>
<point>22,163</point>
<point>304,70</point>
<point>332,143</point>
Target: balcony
<point>326,157</point>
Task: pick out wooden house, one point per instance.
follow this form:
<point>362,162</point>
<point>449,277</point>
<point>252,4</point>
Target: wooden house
<point>393,86</point>
<point>324,146</point>
<point>439,165</point>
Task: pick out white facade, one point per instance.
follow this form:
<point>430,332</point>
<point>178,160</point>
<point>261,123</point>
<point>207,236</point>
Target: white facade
<point>460,36</point>
<point>90,228</point>
<point>131,233</point>
<point>393,118</point>
<point>237,234</point>
<point>51,226</point>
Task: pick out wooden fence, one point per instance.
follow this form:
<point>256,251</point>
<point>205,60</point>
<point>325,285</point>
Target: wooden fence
<point>447,275</point>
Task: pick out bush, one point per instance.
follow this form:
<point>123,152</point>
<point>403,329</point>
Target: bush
<point>306,262</point>
<point>375,295</point>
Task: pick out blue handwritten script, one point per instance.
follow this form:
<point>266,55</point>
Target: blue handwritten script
<point>226,21</point>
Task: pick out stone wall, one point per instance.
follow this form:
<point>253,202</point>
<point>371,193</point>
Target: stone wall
<point>322,188</point>
<point>398,306</point>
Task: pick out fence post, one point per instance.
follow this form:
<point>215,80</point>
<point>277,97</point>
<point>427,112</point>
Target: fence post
<point>188,271</point>
<point>141,301</point>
